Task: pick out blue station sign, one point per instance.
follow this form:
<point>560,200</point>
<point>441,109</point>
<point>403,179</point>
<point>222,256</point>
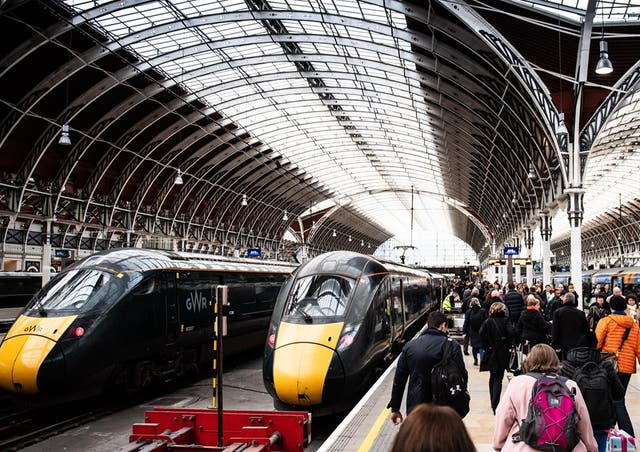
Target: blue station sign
<point>511,251</point>
<point>254,252</point>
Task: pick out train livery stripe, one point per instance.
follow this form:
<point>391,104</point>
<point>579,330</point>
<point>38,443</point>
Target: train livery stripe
<point>25,348</point>
<point>301,361</point>
<point>50,327</point>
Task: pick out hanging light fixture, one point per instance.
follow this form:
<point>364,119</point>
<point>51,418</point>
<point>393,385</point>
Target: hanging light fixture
<point>368,245</point>
<point>65,140</point>
<point>350,239</point>
<point>334,233</point>
<point>361,242</point>
<point>178,180</point>
<point>604,65</point>
<point>244,200</point>
<point>285,217</point>
<point>562,128</point>
<point>532,171</point>
<point>514,199</point>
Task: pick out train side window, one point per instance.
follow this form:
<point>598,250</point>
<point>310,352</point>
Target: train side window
<point>146,287</point>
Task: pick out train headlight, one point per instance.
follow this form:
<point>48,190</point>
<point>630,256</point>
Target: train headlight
<point>271,340</point>
<point>77,331</point>
<point>348,337</point>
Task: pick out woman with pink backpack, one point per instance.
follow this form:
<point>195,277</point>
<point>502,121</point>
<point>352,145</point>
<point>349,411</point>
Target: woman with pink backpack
<point>541,397</point>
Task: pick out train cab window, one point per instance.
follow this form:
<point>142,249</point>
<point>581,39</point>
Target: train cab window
<point>78,290</point>
<point>319,296</point>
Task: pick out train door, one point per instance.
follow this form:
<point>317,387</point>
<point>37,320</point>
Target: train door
<point>172,319</point>
<point>397,308</point>
<point>382,320</point>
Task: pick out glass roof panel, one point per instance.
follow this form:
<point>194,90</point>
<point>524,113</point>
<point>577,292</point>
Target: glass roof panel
<point>354,125</point>
<point>607,11</point>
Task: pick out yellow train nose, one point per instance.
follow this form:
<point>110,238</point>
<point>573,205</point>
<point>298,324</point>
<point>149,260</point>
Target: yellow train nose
<point>20,360</point>
<point>302,361</point>
<point>24,349</point>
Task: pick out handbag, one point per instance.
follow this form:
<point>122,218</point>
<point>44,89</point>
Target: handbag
<point>619,441</point>
<point>485,361</point>
<point>515,359</point>
<point>612,357</point>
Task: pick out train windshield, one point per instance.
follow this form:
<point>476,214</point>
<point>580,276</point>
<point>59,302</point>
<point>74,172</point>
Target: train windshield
<point>319,296</point>
<point>76,291</point>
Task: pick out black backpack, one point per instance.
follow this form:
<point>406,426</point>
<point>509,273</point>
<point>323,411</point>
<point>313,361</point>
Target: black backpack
<point>592,380</point>
<point>449,382</point>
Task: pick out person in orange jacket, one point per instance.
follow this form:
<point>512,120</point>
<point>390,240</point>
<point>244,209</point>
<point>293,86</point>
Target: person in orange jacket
<point>610,332</point>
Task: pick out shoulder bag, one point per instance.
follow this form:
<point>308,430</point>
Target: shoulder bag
<point>612,357</point>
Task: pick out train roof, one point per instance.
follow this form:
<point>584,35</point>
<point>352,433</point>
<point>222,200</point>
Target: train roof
<point>354,265</point>
<point>140,259</point>
<point>616,271</point>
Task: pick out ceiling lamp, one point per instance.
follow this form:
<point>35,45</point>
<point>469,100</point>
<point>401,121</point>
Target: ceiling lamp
<point>604,65</point>
<point>178,180</point>
<point>562,128</point>
<point>350,239</point>
<point>285,217</point>
<point>244,200</point>
<point>361,242</point>
<point>65,140</point>
<point>532,172</point>
<point>334,233</point>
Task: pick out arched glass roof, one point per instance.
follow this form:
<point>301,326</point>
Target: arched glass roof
<point>324,119</point>
<point>342,102</point>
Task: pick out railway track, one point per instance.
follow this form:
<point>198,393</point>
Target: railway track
<point>28,428</point>
<point>22,425</point>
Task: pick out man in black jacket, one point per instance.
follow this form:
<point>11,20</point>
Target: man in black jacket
<point>570,328</point>
<point>415,363</point>
<point>514,302</point>
<point>600,386</point>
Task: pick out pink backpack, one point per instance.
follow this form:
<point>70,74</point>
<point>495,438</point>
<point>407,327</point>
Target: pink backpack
<point>551,422</point>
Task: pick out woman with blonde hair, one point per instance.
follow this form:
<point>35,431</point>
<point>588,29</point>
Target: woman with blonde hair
<point>532,328</point>
<point>514,405</point>
<point>497,335</point>
<point>433,428</point>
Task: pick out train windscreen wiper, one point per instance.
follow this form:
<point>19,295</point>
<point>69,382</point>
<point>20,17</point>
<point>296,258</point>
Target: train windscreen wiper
<point>40,308</point>
<point>304,314</point>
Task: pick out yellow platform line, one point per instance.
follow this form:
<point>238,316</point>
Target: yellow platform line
<point>375,431</point>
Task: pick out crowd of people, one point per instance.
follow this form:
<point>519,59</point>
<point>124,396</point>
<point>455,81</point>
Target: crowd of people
<point>559,341</point>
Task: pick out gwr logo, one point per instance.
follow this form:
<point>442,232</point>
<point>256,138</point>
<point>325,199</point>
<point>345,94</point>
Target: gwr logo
<point>196,302</point>
<point>33,329</point>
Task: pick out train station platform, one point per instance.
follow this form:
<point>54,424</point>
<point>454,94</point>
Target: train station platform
<point>7,317</point>
<point>368,428</point>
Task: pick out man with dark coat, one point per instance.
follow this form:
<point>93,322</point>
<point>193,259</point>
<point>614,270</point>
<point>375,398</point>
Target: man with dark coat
<point>554,303</point>
<point>569,327</point>
<point>514,302</point>
<point>418,357</point>
<point>473,320</point>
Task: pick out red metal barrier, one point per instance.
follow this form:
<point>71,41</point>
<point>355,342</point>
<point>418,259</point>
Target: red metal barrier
<point>179,429</point>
